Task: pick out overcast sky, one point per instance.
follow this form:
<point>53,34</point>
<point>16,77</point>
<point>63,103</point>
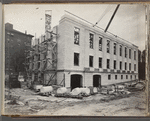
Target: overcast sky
<point>128,23</point>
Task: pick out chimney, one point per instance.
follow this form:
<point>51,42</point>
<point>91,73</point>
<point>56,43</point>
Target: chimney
<point>9,26</point>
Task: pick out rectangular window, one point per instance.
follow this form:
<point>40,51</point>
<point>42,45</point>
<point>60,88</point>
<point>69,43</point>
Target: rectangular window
<point>91,38</point>
<point>38,65</point>
<point>76,59</point>
<point>115,76</point>
<point>121,76</point>
<point>135,76</point>
<point>120,65</point>
<point>126,76</point>
<point>108,61</point>
<point>134,55</point>
<point>130,66</point>
<point>91,61</point>
<point>115,48</point>
<point>114,64</point>
<point>125,52</point>
<point>131,77</point>
<point>100,43</point>
<point>134,67</point>
<point>130,53</point>
<point>120,50</point>
<point>125,66</point>
<point>108,46</point>
<point>100,62</point>
<point>109,77</point>
<point>76,35</point>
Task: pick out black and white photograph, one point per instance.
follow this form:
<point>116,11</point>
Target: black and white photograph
<point>75,59</point>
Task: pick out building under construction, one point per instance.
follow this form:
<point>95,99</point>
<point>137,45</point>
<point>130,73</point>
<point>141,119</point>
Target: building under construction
<point>77,54</point>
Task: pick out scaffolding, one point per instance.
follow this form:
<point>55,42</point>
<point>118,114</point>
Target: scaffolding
<point>41,60</point>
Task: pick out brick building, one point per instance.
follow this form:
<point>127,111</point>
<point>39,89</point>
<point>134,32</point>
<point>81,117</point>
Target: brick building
<point>16,44</point>
<point>86,56</point>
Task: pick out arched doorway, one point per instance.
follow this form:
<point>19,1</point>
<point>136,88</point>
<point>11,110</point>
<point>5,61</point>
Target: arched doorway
<point>96,80</point>
<point>76,81</point>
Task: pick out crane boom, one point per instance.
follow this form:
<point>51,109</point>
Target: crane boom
<point>112,17</point>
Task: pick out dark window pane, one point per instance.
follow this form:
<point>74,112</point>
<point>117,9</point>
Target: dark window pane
<point>100,62</point>
<point>109,77</point>
<point>91,61</point>
<point>114,48</point>
<point>76,59</point>
<point>108,62</point>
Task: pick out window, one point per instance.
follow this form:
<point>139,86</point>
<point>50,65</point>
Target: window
<point>108,61</point>
<point>114,48</point>
<point>134,55</point>
<point>91,61</point>
<point>130,53</point>
<point>120,65</point>
<point>130,66</point>
<point>120,50</point>
<point>114,64</point>
<point>100,62</point>
<point>76,59</point>
<point>91,40</point>
<point>134,67</point>
<point>76,35</point>
<point>126,76</point>
<point>125,66</point>
<point>38,65</point>
<point>100,43</point>
<point>135,76</point>
<point>125,52</point>
<point>121,76</point>
<point>109,77</point>
<point>115,76</point>
<point>108,46</point>
<point>131,77</point>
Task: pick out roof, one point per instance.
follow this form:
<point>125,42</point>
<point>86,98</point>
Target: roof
<point>15,31</point>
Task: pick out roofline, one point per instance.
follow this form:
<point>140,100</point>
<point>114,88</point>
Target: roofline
<point>15,31</point>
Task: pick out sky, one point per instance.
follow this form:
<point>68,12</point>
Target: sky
<point>128,23</point>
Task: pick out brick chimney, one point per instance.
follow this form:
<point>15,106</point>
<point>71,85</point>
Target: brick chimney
<point>9,26</point>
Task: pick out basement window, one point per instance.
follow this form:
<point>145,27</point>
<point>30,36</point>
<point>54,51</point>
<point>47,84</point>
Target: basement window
<point>114,64</point>
<point>100,62</point>
<point>115,48</point>
<point>121,76</point>
<point>108,46</point>
<point>76,35</point>
<point>76,59</point>
<point>120,50</point>
<point>109,77</point>
<point>91,38</point>
<point>91,61</point>
<point>125,52</point>
<point>108,63</point>
<point>100,43</point>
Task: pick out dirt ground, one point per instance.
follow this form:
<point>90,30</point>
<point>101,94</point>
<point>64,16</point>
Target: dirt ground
<point>30,103</point>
